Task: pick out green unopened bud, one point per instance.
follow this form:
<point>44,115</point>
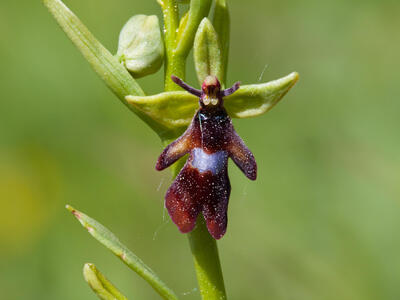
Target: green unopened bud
<point>207,52</point>
<point>141,48</point>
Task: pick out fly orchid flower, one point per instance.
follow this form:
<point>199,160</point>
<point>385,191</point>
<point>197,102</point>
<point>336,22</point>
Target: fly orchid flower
<point>203,183</point>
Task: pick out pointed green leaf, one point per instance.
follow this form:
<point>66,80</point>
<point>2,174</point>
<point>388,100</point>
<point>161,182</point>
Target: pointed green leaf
<point>198,10</point>
<point>140,46</point>
<point>207,52</point>
<point>256,99</point>
<point>221,22</point>
<point>109,240</point>
<point>101,60</point>
<point>171,109</point>
<point>102,287</point>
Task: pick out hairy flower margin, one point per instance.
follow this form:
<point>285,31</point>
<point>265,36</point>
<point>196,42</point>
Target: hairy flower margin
<point>142,50</point>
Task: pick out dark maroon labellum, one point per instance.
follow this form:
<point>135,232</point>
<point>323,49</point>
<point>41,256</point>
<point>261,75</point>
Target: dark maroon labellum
<point>203,184</point>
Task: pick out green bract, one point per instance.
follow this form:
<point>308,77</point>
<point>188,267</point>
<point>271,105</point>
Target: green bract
<point>140,47</point>
<point>207,52</point>
<point>197,11</point>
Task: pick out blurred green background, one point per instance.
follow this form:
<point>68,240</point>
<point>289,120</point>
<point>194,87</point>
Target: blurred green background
<point>322,220</point>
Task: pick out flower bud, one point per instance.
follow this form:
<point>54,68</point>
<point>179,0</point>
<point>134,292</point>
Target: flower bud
<point>207,52</point>
<point>141,48</point>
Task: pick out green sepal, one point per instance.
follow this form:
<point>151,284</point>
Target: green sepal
<point>100,285</point>
<point>110,241</point>
<point>256,99</point>
<point>207,52</point>
<point>171,109</point>
<point>175,110</point>
<point>140,46</point>
<point>198,9</point>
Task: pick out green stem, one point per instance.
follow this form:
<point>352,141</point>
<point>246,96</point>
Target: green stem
<point>203,246</point>
<point>206,261</point>
<point>175,64</point>
<point>206,258</point>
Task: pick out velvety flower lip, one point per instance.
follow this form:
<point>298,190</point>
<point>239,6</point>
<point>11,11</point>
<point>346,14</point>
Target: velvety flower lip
<point>202,185</point>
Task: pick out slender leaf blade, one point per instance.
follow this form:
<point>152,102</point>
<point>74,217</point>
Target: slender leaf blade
<point>110,241</point>
<point>101,60</point>
<point>114,74</point>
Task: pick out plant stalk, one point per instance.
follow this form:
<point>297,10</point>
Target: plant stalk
<point>203,246</point>
<point>206,258</point>
<point>206,261</point>
<point>175,64</point>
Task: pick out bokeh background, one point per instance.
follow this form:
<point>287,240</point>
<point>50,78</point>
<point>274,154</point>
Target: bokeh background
<point>322,220</point>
